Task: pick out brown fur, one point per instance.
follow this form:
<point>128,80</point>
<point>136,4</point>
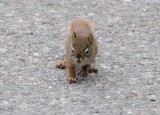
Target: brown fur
<point>84,45</point>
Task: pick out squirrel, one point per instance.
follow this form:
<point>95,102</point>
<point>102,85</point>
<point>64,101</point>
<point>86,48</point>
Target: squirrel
<point>81,49</point>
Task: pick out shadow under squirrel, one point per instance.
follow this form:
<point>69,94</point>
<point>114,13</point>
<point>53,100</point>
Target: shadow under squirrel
<point>81,50</point>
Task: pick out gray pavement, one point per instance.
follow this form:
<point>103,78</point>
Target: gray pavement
<point>32,35</point>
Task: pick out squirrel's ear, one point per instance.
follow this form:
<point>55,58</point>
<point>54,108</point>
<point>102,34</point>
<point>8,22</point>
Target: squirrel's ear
<point>73,35</point>
<point>90,38</point>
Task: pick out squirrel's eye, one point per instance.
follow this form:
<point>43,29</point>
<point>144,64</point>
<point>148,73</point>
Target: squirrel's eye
<point>87,52</point>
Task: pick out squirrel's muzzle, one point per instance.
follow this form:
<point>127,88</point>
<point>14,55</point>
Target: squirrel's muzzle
<point>79,59</point>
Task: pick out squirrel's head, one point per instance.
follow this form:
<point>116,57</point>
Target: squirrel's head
<point>81,47</point>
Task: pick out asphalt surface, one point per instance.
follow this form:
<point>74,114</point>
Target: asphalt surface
<point>32,35</point>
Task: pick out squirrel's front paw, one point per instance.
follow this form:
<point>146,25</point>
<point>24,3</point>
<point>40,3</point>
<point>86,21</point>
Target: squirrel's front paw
<point>61,65</point>
<point>82,72</point>
<point>92,70</point>
<point>71,80</point>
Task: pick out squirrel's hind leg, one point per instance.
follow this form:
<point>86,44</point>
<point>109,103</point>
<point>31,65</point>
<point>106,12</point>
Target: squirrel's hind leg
<point>61,64</point>
<point>92,69</point>
<point>87,68</point>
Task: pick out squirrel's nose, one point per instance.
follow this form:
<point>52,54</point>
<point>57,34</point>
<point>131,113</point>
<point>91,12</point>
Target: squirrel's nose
<point>78,60</point>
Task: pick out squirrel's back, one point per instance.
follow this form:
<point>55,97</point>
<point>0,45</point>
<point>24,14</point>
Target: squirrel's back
<point>81,26</point>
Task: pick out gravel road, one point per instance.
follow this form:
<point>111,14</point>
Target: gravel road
<point>32,35</point>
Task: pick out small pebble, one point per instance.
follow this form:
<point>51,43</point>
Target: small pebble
<point>103,66</point>
<point>5,102</point>
<point>152,97</point>
<point>127,0</point>
<point>46,49</point>
<point>36,54</point>
<point>3,50</point>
